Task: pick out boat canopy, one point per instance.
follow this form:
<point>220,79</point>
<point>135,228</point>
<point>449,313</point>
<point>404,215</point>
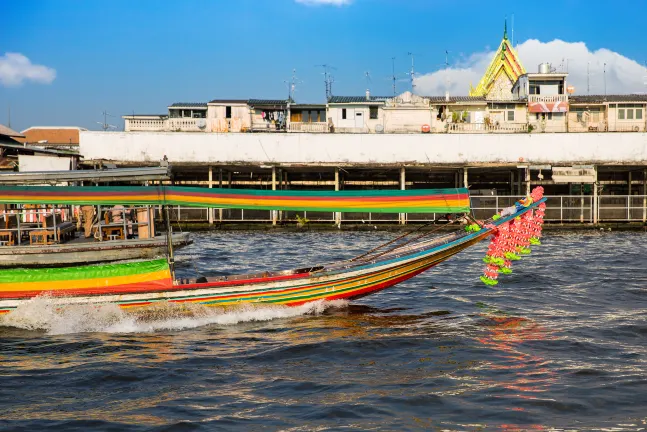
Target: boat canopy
<point>452,200</point>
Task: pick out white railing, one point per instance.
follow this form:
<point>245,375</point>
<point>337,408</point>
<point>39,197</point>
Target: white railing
<point>314,127</point>
<point>627,126</point>
<point>151,125</point>
<point>559,209</point>
<point>554,98</point>
<point>485,128</point>
<point>186,124</point>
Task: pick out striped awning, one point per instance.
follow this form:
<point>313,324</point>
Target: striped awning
<point>454,200</point>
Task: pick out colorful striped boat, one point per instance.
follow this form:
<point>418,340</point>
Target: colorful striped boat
<point>147,283</point>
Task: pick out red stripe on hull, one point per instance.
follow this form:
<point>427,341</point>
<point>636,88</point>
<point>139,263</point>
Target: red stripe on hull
<point>368,290</point>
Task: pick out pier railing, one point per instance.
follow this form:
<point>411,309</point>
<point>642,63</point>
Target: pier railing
<point>559,209</point>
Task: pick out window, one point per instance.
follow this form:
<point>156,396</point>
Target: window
<point>639,114</point>
<point>228,112</point>
<point>373,112</point>
<point>621,114</point>
<point>305,117</point>
<point>186,113</point>
<point>510,116</point>
<point>549,116</point>
<point>343,113</point>
<point>630,114</point>
<point>199,114</point>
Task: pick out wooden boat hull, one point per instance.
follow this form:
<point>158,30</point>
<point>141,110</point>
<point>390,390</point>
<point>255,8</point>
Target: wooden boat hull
<point>138,285</point>
<point>87,253</point>
<point>145,287</point>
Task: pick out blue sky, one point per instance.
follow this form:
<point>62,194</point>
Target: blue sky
<point>124,56</point>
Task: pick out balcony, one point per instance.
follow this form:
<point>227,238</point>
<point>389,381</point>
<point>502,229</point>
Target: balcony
<point>313,127</point>
<point>187,124</point>
<point>548,99</point>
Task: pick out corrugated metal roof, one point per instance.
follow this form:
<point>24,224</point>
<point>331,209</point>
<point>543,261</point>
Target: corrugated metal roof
<point>219,101</point>
<point>358,99</point>
<point>437,99</point>
<point>189,105</point>
<point>4,130</point>
<point>99,176</point>
<point>254,102</point>
<point>608,98</point>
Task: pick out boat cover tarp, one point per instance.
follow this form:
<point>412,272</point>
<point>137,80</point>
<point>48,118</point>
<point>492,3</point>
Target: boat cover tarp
<point>452,200</point>
<point>91,279</point>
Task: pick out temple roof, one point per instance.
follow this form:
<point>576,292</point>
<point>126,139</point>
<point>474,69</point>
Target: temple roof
<point>505,62</point>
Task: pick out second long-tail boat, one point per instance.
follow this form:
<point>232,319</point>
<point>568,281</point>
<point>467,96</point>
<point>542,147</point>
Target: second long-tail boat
<point>141,284</point>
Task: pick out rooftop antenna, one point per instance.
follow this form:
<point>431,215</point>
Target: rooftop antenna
<point>367,76</point>
<point>412,74</point>
<point>446,73</point>
<point>292,84</point>
<point>328,78</point>
<point>105,126</point>
<point>393,74</point>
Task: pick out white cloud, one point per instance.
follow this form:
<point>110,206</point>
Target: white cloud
<point>16,68</point>
<point>623,75</point>
<point>324,2</point>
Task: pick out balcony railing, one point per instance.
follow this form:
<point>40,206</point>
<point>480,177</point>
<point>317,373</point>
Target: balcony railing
<point>150,125</point>
<point>187,124</point>
<point>314,127</point>
<point>554,98</point>
<point>484,128</point>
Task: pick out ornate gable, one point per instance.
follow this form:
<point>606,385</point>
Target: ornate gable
<point>503,71</point>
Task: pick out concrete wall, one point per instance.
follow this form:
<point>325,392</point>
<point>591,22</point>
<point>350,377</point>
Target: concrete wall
<point>346,149</point>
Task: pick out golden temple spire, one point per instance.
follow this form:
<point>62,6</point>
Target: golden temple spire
<point>503,71</point>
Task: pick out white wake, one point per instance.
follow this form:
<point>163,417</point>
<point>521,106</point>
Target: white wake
<point>46,314</point>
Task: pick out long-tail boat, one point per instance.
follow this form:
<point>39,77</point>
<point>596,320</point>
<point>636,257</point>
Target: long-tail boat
<point>145,283</point>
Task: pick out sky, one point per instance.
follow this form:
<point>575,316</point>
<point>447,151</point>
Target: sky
<point>64,62</point>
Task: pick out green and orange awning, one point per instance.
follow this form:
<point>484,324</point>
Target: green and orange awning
<point>453,200</point>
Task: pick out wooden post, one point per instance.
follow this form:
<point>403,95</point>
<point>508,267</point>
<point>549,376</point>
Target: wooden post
<point>274,214</point>
<point>403,186</point>
<point>465,183</point>
<point>337,214</point>
<point>210,210</point>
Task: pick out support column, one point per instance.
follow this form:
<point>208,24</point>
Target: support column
<point>209,209</point>
<point>337,214</point>
<point>629,183</point>
<point>594,204</point>
<point>403,186</point>
<point>644,195</point>
<point>511,182</point>
<point>527,169</point>
<point>465,183</point>
<point>629,197</point>
<point>274,212</point>
<point>220,187</point>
